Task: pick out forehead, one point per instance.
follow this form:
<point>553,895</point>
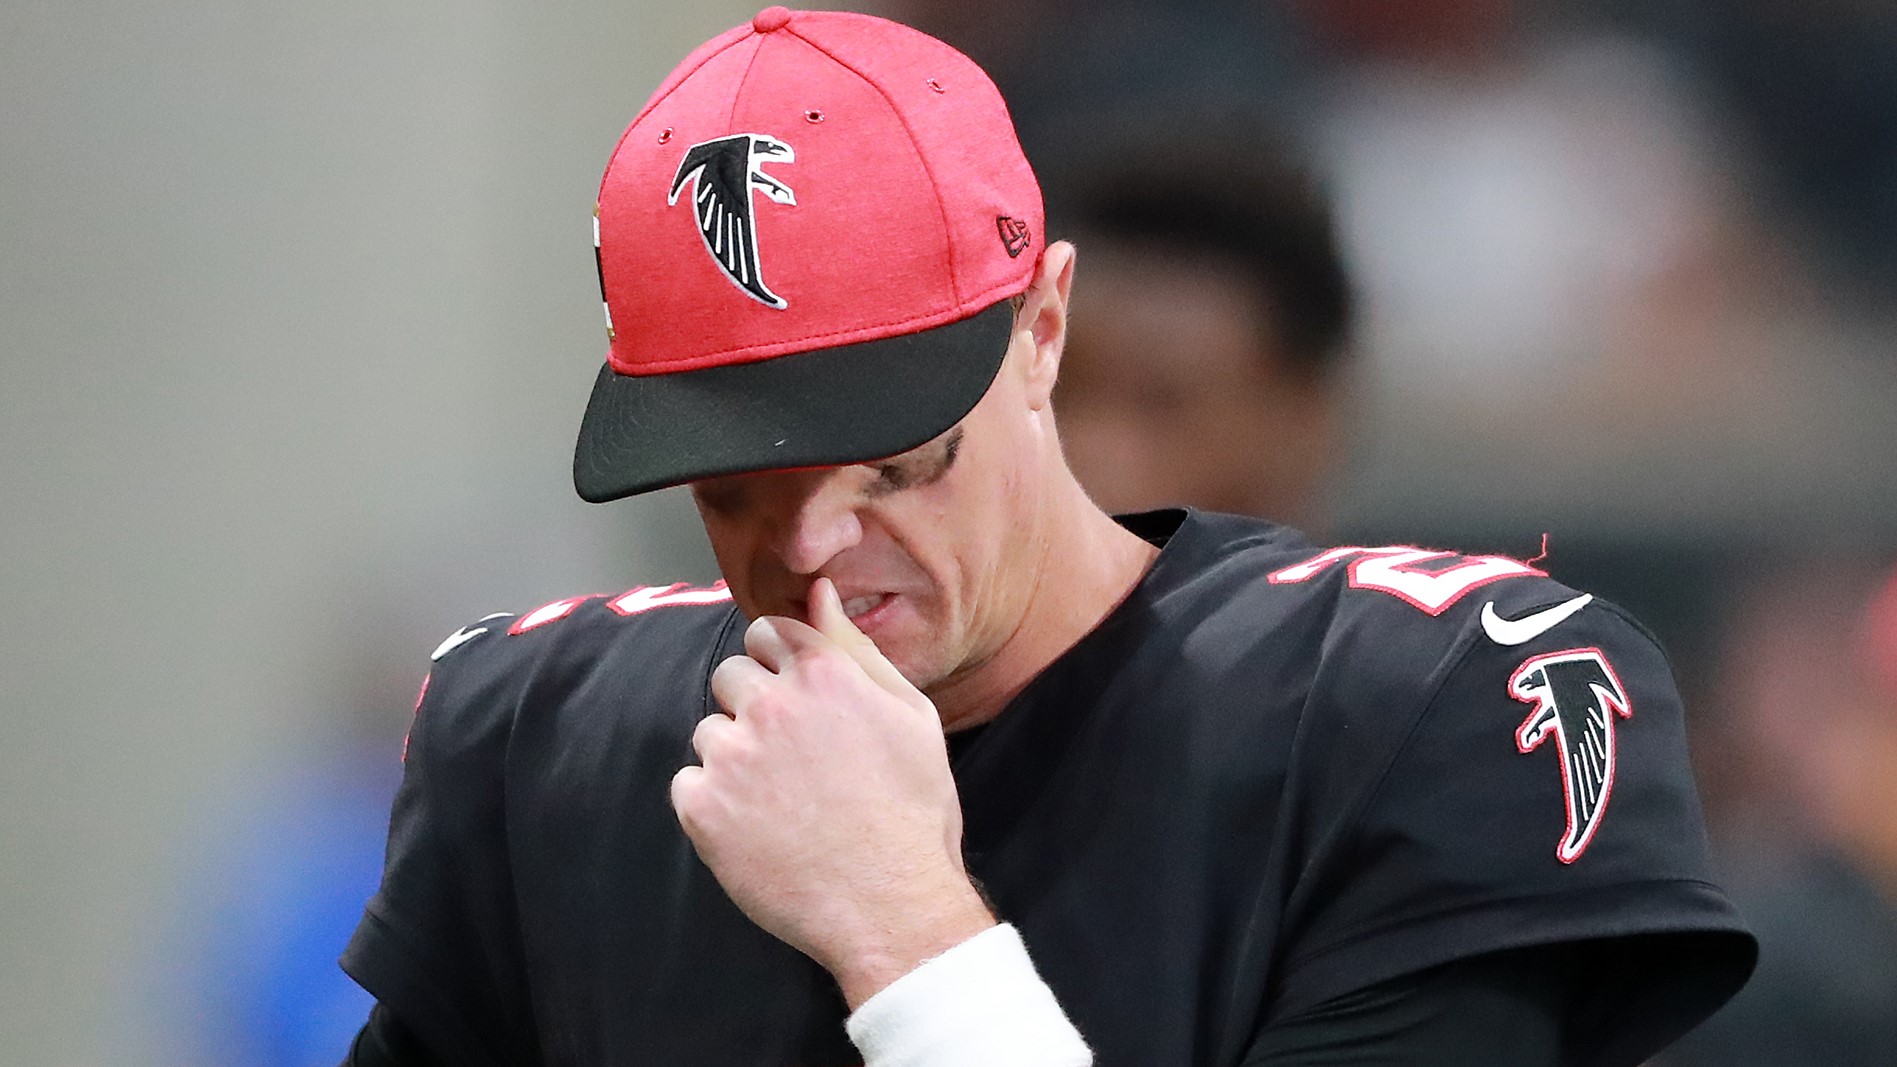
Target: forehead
<point>927,453</point>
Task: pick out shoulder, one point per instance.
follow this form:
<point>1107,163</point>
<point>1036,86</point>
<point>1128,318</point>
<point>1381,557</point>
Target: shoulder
<point>658,619</point>
<point>482,675</point>
<point>1397,615</point>
<point>1365,637</point>
<point>1436,657</point>
<point>1399,621</point>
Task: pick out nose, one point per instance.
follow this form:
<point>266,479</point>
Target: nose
<point>818,522</point>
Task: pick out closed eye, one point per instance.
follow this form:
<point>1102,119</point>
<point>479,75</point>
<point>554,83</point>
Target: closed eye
<point>923,466</point>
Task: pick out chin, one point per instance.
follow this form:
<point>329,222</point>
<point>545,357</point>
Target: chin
<point>911,642</point>
<point>920,666</point>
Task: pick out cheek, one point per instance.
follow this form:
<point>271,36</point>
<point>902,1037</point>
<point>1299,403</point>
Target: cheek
<point>930,539</point>
<point>994,546</point>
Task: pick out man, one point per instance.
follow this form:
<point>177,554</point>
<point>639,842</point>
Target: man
<point>1208,796</point>
<point>1204,365</point>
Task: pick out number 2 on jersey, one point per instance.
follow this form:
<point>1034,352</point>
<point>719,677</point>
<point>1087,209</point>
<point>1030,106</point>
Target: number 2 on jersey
<point>1431,581</point>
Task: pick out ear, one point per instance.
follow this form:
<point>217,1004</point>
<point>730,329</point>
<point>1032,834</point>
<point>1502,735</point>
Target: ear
<point>1044,316</point>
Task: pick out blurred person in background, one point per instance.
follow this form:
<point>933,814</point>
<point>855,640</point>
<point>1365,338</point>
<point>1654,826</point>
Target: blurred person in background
<point>1204,366</point>
<point>1804,795</point>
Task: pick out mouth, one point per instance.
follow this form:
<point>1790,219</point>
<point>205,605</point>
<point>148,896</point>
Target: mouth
<point>858,606</point>
<point>865,610</point>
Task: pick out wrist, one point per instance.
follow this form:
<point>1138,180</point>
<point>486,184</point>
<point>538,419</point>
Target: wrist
<point>888,949</point>
<point>981,1002</point>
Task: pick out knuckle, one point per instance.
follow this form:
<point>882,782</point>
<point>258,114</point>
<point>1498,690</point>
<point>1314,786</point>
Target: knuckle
<point>768,705</point>
<point>719,740</point>
<point>827,666</point>
<point>698,803</point>
<point>685,791</point>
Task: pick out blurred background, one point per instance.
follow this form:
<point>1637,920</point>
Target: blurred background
<point>298,314</point>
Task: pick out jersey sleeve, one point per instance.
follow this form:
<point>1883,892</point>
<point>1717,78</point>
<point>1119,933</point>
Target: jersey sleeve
<point>384,1042</point>
<point>1541,796</point>
<point>1506,1007</point>
<point>438,944</point>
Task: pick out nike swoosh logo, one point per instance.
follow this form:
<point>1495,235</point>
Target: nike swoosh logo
<point>456,640</point>
<point>1528,627</point>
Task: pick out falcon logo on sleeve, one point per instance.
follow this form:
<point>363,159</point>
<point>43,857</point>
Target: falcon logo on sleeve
<point>1576,695</point>
<point>723,173</point>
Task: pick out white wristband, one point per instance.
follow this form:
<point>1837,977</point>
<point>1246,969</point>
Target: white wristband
<point>979,1003</point>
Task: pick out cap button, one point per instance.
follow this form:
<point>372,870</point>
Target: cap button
<point>771,18</point>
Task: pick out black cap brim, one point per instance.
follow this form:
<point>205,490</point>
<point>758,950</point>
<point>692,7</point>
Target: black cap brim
<point>829,407</point>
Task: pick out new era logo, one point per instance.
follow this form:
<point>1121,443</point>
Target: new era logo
<point>1014,234</point>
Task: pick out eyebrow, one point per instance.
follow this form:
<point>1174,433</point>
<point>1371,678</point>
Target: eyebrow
<point>897,475</point>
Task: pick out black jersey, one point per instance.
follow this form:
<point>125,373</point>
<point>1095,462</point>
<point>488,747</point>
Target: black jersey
<point>1274,775</point>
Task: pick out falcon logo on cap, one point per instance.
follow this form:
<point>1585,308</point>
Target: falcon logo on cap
<point>723,172</point>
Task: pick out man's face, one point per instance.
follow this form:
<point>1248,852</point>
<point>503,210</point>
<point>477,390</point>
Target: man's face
<point>1173,392</point>
<point>924,547</point>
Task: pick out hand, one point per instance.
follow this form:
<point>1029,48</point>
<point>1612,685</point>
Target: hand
<point>825,806</point>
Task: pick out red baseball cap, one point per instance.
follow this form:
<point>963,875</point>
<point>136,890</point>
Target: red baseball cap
<point>807,241</point>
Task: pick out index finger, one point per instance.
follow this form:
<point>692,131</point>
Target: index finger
<point>773,639</point>
<point>826,613</point>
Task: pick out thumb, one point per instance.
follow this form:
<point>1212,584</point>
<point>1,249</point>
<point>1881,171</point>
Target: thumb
<point>826,614</point>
